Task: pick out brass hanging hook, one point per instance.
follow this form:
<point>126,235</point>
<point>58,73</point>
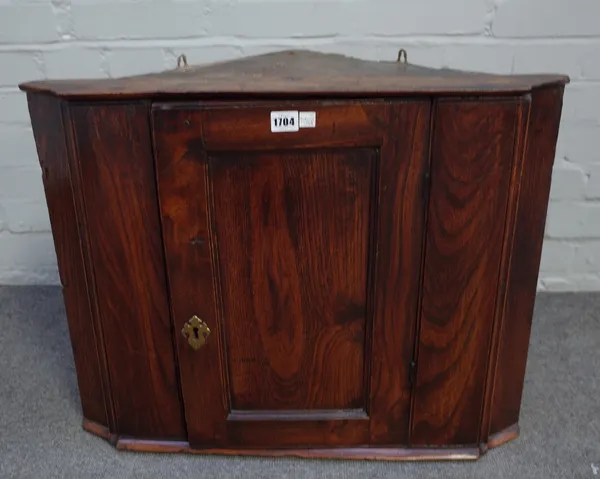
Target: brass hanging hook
<point>182,62</point>
<point>402,53</point>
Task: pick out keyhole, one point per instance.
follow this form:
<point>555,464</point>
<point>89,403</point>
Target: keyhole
<point>196,333</point>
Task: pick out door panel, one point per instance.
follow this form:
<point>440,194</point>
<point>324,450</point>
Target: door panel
<point>403,177</point>
<point>128,273</point>
<point>182,190</point>
<point>338,125</point>
<point>277,241</point>
<point>473,148</point>
<point>293,235</point>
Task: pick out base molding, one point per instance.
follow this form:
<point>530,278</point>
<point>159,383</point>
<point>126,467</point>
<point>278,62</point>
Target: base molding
<point>504,436</point>
<point>369,453</point>
<point>99,430</point>
<point>363,453</point>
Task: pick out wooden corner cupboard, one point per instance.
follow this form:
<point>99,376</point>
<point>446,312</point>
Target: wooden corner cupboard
<point>300,253</point>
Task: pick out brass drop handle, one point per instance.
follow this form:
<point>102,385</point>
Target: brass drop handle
<point>196,332</point>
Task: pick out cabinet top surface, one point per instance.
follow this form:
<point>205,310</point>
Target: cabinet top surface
<point>295,73</point>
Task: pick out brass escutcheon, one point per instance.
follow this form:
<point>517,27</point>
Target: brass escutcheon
<point>196,332</point>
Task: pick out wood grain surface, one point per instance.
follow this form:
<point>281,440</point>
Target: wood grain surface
<point>293,236</point>
<point>189,246</point>
<point>50,139</point>
<point>339,124</point>
<point>286,195</point>
<point>369,283</point>
<point>473,147</point>
<point>296,73</point>
<point>535,180</point>
<point>399,225</point>
<point>292,239</point>
<point>114,150</point>
<point>344,453</point>
<point>288,433</point>
<point>505,260</point>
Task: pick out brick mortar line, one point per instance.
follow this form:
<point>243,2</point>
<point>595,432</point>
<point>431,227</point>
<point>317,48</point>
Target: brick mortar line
<point>7,232</point>
<point>333,39</point>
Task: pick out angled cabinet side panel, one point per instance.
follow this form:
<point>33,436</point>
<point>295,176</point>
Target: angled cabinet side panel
<point>532,207</point>
<point>472,156</point>
<point>46,119</point>
<point>115,168</point>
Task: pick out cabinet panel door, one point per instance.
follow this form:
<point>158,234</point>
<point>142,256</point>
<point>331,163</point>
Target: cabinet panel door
<point>292,232</point>
<point>280,243</point>
<point>471,166</point>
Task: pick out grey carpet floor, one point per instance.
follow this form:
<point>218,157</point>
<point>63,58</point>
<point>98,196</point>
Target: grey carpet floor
<point>40,422</point>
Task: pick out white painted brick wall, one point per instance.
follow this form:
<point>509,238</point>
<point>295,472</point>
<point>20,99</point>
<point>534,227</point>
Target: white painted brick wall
<point>97,38</point>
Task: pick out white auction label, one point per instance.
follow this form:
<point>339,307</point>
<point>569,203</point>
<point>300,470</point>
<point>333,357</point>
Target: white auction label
<point>307,119</point>
<point>282,121</point>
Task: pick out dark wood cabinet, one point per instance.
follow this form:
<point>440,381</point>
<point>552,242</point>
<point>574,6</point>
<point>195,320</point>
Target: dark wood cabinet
<point>300,253</point>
